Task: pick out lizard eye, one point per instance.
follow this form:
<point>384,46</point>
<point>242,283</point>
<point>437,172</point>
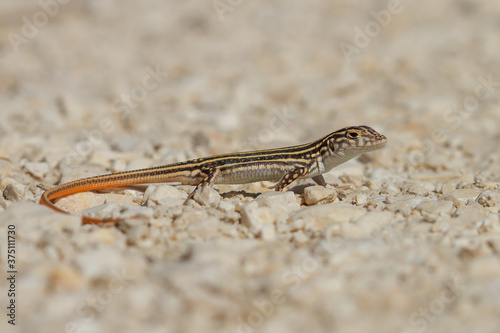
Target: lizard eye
<point>352,135</point>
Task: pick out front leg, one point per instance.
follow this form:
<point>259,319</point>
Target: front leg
<point>289,177</point>
<point>209,180</point>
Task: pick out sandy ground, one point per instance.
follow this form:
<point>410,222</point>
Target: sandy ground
<point>407,240</point>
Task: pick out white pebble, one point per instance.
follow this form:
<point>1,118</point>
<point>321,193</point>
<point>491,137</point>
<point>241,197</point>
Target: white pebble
<point>253,216</point>
<point>203,228</point>
<point>227,206</point>
<point>462,196</point>
<point>207,196</point>
<point>137,212</point>
<point>404,206</point>
<point>110,210</point>
<point>315,194</point>
<point>434,208</point>
<point>360,199</point>
<point>282,203</point>
<point>160,195</point>
<point>489,199</point>
<point>268,232</point>
<point>323,216</point>
<point>6,181</point>
<point>300,237</point>
<point>15,192</point>
<point>37,169</point>
<point>416,189</point>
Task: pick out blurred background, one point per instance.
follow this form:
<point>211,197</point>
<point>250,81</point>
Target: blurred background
<point>117,85</point>
<point>75,76</point>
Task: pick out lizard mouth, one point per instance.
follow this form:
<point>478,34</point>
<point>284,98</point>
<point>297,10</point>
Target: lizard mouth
<point>380,141</point>
<point>374,144</point>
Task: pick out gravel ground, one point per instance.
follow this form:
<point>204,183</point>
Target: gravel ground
<point>406,239</point>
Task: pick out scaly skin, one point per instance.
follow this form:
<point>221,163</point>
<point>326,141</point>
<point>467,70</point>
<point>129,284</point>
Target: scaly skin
<point>288,164</point>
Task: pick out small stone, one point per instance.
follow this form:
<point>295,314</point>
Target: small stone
<point>282,203</point>
<point>85,200</point>
<point>473,210</point>
<point>6,181</point>
<point>110,210</point>
<point>254,217</point>
<point>491,224</point>
<point>207,196</point>
<point>15,192</point>
<point>137,212</point>
<point>315,194</point>
<point>300,237</point>
<point>416,189</point>
<point>323,216</point>
<point>78,202</point>
<point>203,229</point>
<point>392,189</point>
<point>448,188</point>
<point>297,224</point>
<point>373,184</point>
<point>227,206</point>
<point>4,204</point>
<point>37,169</point>
<point>171,202</point>
<point>268,232</point>
<point>489,198</point>
<point>134,195</point>
<point>376,201</point>
<point>462,196</point>
<point>232,217</point>
<point>429,187</point>
<point>433,208</point>
<point>404,206</point>
<point>360,199</point>
<point>163,195</point>
<point>8,169</point>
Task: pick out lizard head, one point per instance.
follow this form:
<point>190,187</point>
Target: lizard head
<point>349,142</point>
